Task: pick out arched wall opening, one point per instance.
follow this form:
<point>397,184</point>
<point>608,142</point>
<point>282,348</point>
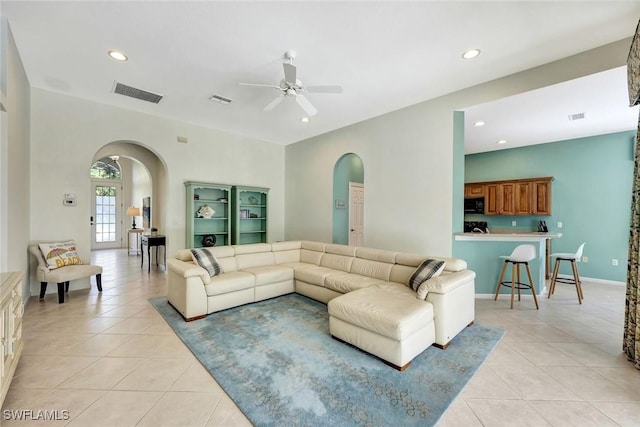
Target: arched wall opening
<point>348,168</point>
<point>145,180</point>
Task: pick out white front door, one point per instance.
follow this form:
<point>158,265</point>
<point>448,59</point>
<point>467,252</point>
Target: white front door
<point>356,214</point>
<point>105,216</point>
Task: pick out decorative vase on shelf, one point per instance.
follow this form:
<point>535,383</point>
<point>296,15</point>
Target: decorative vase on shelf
<point>206,212</point>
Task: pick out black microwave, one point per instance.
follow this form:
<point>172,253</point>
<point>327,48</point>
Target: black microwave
<point>474,205</point>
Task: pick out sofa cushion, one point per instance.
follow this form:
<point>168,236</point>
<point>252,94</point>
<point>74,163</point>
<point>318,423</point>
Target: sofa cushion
<point>252,248</point>
<point>391,310</point>
<point>297,265</point>
<point>252,260</point>
<point>222,251</point>
<point>401,273</point>
<point>313,246</point>
<point>336,262</point>
<point>60,254</point>
<point>365,267</point>
<point>345,250</point>
<point>286,246</point>
<point>426,270</point>
<point>376,255</point>
<point>347,282</point>
<point>206,260</point>
<point>314,275</point>
<point>271,274</point>
<point>310,257</point>
<point>230,282</point>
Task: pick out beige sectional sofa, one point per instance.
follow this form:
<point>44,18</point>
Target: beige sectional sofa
<point>370,306</point>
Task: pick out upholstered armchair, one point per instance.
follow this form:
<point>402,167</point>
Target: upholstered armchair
<point>62,267</point>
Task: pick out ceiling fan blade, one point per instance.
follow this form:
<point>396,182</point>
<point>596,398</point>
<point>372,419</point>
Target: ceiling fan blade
<point>260,85</point>
<point>306,105</point>
<point>289,73</point>
<point>273,104</point>
<point>323,89</point>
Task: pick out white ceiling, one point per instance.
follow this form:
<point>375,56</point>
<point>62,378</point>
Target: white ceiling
<point>386,55</point>
<point>542,115</point>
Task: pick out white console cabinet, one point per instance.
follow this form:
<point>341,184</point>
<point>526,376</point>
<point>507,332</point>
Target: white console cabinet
<point>11,311</point>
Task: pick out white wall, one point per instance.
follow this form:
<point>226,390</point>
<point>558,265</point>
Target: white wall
<point>67,132</point>
<point>140,188</point>
<point>408,162</point>
<point>14,159</point>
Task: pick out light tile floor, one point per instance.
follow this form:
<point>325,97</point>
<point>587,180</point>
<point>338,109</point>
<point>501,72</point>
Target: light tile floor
<point>110,360</point>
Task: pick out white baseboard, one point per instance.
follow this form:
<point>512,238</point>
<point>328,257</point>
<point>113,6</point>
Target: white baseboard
<point>544,290</point>
<point>594,280</point>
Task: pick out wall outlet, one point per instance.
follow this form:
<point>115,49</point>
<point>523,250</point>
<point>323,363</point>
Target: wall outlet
<point>585,259</point>
<point>513,223</point>
<point>614,262</point>
<point>559,224</point>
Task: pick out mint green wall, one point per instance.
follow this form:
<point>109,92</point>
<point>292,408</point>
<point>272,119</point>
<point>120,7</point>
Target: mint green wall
<point>349,168</point>
<point>591,196</point>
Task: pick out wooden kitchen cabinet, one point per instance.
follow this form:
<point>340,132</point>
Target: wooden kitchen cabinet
<point>474,190</point>
<point>500,198</point>
<point>531,196</point>
<point>524,198</point>
<point>542,197</point>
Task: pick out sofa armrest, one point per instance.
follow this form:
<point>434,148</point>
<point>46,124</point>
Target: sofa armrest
<point>188,269</point>
<point>447,282</point>
<point>185,289</point>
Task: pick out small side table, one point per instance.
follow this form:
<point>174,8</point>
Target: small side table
<point>137,232</point>
<point>149,240</point>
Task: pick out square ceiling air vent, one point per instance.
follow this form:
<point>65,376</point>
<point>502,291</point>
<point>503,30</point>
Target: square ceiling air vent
<point>136,93</point>
<point>576,116</point>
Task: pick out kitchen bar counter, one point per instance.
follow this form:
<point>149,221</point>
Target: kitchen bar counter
<point>539,239</point>
<point>508,236</point>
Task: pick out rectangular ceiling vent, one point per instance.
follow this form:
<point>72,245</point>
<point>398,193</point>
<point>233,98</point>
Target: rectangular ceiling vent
<point>136,93</point>
<point>220,99</point>
<point>576,116</point>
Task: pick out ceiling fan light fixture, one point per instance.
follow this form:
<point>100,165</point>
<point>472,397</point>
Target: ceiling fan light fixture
<point>118,56</point>
<point>471,53</point>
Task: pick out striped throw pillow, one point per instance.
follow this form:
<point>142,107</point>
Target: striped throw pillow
<point>426,270</point>
<point>206,260</point>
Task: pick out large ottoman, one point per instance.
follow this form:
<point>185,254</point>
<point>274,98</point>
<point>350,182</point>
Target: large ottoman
<point>385,320</point>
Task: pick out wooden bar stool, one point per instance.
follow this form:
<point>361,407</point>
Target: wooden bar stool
<point>573,259</point>
<point>520,255</point>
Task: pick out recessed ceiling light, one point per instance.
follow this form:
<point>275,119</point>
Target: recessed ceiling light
<point>502,141</point>
<point>118,56</point>
<point>479,123</point>
<point>471,53</point>
<point>305,120</point>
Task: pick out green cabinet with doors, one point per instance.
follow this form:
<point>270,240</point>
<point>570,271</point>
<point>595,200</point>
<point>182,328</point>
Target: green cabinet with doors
<point>208,214</point>
<point>249,215</point>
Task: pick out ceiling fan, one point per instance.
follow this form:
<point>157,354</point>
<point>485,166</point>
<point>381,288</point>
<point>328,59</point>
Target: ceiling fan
<point>291,87</point>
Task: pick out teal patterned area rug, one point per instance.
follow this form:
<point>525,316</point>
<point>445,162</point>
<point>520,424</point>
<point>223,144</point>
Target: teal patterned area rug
<point>277,361</point>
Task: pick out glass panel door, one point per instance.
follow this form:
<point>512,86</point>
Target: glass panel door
<point>105,222</point>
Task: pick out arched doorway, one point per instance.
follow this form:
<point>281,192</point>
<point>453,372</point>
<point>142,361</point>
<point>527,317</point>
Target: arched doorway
<point>348,200</point>
<point>142,185</point>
